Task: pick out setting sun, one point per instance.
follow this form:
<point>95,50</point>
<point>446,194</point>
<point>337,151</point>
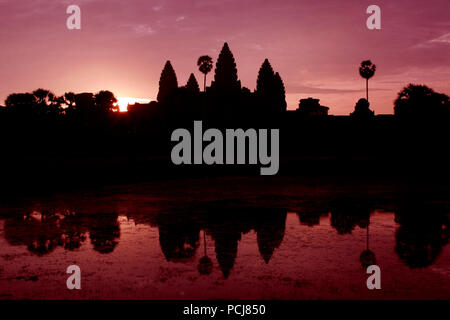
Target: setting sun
<point>123,102</point>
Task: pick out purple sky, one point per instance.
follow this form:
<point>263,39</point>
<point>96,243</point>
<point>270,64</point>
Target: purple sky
<point>315,45</point>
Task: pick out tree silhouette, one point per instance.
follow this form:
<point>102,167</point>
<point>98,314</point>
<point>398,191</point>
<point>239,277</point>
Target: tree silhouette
<point>225,74</point>
<point>205,64</point>
<point>367,71</point>
<point>70,99</point>
<point>84,102</point>
<point>420,100</point>
<point>104,101</point>
<point>40,102</point>
<point>48,103</point>
<point>44,97</point>
<point>192,84</point>
<point>70,102</point>
<point>21,103</point>
<point>168,82</point>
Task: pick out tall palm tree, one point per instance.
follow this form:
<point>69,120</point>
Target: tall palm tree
<point>205,64</point>
<point>367,71</point>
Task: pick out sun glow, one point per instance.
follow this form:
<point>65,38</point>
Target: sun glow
<point>123,102</point>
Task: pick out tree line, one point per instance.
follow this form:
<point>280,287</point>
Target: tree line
<point>224,101</point>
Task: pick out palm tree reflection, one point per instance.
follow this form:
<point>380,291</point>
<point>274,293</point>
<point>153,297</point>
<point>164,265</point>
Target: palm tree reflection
<point>205,265</point>
<point>367,257</point>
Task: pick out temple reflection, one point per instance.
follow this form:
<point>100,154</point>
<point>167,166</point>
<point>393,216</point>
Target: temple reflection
<point>421,234</point>
<point>346,214</point>
<point>270,232</point>
<point>178,236</point>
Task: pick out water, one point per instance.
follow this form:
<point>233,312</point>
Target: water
<point>263,239</point>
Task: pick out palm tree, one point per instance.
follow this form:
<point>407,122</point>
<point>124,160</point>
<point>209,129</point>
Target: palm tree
<point>205,64</point>
<point>367,71</point>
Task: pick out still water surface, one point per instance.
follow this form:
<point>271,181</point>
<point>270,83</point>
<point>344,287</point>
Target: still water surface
<point>227,239</point>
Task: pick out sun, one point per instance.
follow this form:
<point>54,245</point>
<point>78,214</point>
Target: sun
<point>123,102</point>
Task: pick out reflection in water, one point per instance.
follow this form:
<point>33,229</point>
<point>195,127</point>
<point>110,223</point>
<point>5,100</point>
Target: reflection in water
<point>205,265</point>
<point>104,232</point>
<point>310,214</point>
<point>226,243</point>
<point>367,257</point>
<point>75,230</point>
<point>178,236</point>
<point>270,232</point>
<point>346,215</point>
<point>42,232</point>
<point>422,232</point>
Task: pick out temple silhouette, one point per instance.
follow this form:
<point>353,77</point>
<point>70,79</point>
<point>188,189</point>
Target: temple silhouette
<point>80,139</point>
